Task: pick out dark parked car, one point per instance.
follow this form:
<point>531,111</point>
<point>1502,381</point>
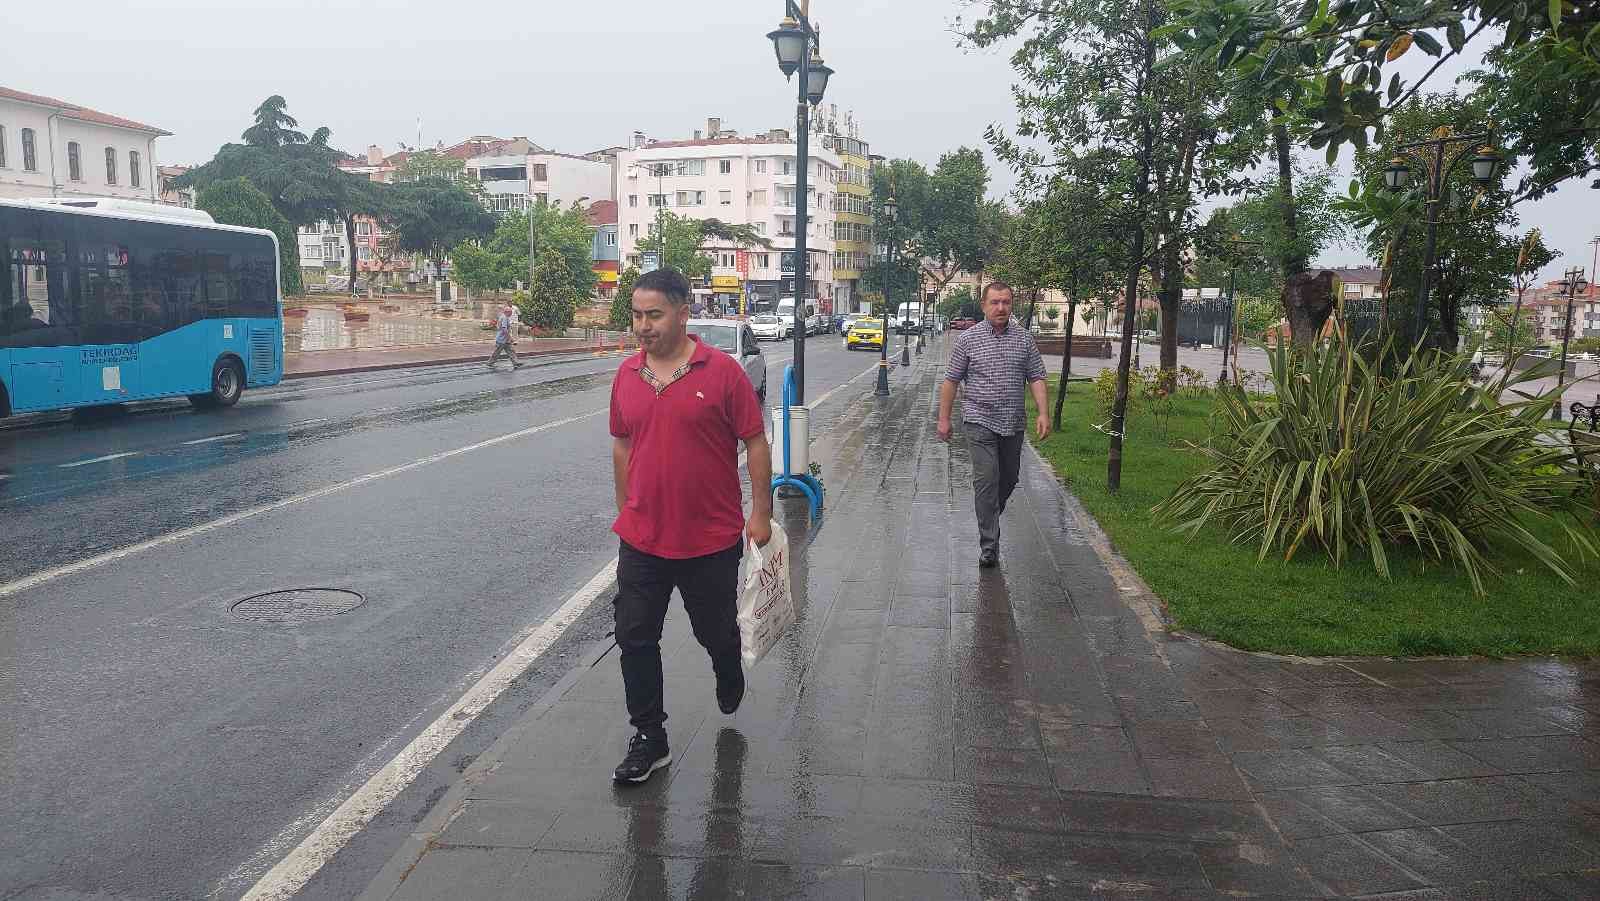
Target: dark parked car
<point>962,323</point>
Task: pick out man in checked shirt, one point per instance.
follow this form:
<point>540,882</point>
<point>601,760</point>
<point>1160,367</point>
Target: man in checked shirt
<point>994,360</point>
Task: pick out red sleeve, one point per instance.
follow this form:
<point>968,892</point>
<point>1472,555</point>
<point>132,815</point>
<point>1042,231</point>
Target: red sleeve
<point>744,408</point>
<point>619,426</point>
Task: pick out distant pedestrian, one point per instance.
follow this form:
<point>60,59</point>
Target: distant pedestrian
<point>995,360</point>
<point>680,399</point>
<point>505,337</point>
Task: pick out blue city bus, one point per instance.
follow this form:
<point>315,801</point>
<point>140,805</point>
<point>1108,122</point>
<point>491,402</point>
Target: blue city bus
<point>107,301</point>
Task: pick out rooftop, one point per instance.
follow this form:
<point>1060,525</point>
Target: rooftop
<point>81,113</point>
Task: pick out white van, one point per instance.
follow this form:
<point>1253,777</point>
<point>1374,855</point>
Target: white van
<point>813,318</point>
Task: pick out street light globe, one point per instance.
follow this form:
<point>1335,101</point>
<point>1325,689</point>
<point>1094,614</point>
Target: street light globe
<point>1397,174</point>
<point>817,80</point>
<point>1484,164</point>
<point>891,210</point>
<point>789,41</point>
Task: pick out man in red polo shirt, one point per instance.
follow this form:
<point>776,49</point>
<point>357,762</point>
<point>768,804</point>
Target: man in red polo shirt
<point>679,409</point>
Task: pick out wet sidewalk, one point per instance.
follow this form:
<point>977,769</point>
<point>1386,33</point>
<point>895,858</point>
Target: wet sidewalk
<point>311,363</point>
<point>932,731</point>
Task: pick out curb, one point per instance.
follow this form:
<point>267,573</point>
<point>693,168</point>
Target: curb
<point>418,364</point>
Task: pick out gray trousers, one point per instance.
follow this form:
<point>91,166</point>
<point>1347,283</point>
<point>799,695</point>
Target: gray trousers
<point>505,349</point>
<point>996,466</point>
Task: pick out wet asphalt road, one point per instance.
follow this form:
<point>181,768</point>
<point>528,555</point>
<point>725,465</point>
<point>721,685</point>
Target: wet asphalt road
<point>156,746</point>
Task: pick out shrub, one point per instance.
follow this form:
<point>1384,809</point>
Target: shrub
<point>1343,455</point>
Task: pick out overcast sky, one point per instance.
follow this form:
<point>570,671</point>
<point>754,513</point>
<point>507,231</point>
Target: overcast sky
<point>570,76</point>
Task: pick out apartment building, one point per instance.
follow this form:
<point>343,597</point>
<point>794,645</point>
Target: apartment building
<point>752,181</point>
<point>852,224</point>
<point>605,252</point>
<point>53,148</point>
<point>517,173</point>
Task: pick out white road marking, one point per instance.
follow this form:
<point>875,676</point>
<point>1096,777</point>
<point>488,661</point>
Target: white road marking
<point>104,459</point>
<point>294,871</point>
<point>295,425</point>
<point>50,575</point>
<point>216,438</point>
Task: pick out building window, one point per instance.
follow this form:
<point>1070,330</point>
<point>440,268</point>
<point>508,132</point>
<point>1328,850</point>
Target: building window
<point>725,167</point>
<point>786,227</point>
<point>690,167</point>
<point>633,229</point>
<point>657,199</point>
<point>788,167</point>
<point>2,146</point>
<point>691,198</point>
<point>633,260</point>
<point>761,167</point>
<point>111,165</point>
<point>312,251</point>
<point>30,159</point>
<point>364,253</point>
<point>542,198</point>
<point>725,198</point>
<point>761,229</point>
<point>364,229</point>
<point>135,169</point>
<point>633,200</point>
<point>762,261</point>
<point>611,239</point>
<point>540,173</point>
<point>74,161</point>
<point>758,198</point>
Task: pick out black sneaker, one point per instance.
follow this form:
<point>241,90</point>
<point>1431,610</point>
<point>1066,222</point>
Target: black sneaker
<point>989,559</point>
<point>645,756</point>
<point>730,690</point>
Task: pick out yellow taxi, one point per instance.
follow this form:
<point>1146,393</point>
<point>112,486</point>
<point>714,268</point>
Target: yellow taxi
<point>865,333</point>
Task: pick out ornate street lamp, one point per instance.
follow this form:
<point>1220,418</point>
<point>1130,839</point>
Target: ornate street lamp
<point>1572,284</point>
<point>799,49</point>
<point>1433,154</point>
<point>891,214</point>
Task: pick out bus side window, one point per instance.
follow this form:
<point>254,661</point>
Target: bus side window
<point>221,283</point>
<point>181,271</point>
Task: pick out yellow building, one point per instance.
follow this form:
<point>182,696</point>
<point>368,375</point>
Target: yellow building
<point>852,227</point>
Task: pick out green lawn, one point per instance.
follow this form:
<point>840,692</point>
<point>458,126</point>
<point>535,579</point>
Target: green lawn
<point>1305,606</point>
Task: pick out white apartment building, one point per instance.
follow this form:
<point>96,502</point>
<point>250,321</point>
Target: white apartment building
<point>52,148</point>
<point>741,181</point>
<point>513,180</point>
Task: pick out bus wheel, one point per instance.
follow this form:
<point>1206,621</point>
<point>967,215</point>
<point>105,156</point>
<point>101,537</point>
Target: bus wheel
<point>227,383</point>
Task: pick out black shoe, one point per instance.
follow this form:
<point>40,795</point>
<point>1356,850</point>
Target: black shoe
<point>989,559</point>
<point>645,756</point>
<point>730,690</point>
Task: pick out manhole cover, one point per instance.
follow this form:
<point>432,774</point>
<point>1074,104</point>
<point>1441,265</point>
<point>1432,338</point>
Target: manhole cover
<point>296,605</point>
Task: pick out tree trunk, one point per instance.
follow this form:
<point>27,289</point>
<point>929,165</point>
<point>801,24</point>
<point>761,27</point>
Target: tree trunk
<point>1307,301</point>
<point>1066,354</point>
<point>350,239</point>
<point>1294,261</point>
<point>1171,299</point>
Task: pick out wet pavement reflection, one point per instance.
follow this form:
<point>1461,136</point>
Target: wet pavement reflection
<point>322,328</point>
<point>929,730</point>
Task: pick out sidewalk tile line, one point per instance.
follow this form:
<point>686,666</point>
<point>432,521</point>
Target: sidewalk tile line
<point>50,575</point>
<point>294,871</point>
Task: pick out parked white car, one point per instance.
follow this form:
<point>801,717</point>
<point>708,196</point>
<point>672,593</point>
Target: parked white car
<point>737,340</point>
<point>769,327</point>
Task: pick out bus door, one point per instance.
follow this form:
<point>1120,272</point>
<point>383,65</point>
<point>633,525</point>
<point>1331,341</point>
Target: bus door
<point>37,329</point>
<point>109,355</point>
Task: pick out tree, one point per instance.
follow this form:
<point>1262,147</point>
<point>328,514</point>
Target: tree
<point>1545,57</point>
<point>553,297</point>
<point>622,304</point>
<point>1497,332</point>
<point>955,303</point>
<point>273,127</point>
<point>426,165</point>
<point>237,202</point>
<point>946,223</point>
<point>678,239</point>
<point>435,215</point>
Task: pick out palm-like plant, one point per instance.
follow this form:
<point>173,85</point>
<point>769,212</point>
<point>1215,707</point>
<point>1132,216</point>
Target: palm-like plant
<point>1346,456</point>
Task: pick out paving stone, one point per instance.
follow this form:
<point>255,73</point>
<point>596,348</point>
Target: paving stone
<point>1344,808</point>
<point>1439,759</point>
<point>1292,768</point>
<point>488,873</point>
<point>1004,766</point>
<point>500,824</point>
<point>1536,754</point>
<point>1253,869</point>
<point>1349,867</point>
<point>1212,778</point>
<point>1191,738</point>
<point>919,885</point>
<point>1461,800</point>
<point>1085,857</point>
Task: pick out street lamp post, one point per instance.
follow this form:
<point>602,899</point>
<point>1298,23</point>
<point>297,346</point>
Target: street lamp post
<point>891,213</point>
<point>1433,154</point>
<point>1572,283</point>
<point>799,49</point>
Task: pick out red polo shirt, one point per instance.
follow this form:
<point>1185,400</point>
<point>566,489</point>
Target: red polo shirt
<point>683,471</point>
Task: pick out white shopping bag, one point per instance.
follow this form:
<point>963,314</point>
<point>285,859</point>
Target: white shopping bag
<point>766,606</point>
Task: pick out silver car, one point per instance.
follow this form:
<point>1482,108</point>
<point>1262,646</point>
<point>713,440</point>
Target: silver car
<point>735,339</point>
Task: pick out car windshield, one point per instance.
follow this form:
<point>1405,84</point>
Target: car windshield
<point>719,336</point>
<point>766,319</point>
<point>866,324</point>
